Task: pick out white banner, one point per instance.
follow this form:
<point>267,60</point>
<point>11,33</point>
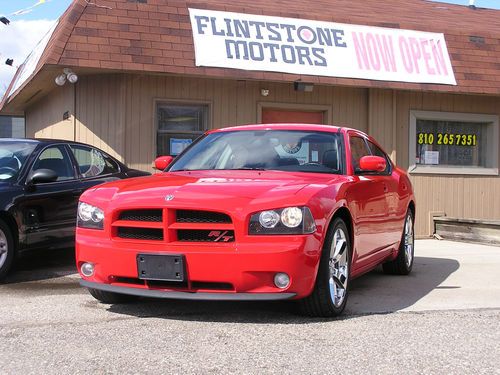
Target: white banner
<point>290,45</point>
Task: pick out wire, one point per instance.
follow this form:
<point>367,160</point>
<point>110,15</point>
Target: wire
<point>96,5</point>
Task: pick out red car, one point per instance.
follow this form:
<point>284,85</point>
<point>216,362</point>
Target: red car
<point>257,212</point>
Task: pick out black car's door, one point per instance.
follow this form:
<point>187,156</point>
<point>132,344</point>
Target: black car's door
<point>94,166</point>
<point>49,209</point>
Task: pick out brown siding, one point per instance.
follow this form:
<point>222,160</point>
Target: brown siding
<point>116,113</point>
<point>473,197</point>
<point>101,112</point>
<point>44,118</point>
<point>231,103</point>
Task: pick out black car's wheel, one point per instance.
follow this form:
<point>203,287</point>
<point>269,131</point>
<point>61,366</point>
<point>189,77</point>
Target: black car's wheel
<point>330,292</point>
<point>110,297</point>
<point>7,249</point>
<point>403,264</point>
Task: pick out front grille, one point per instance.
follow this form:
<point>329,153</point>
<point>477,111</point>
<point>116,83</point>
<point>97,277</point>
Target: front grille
<point>199,235</point>
<point>142,215</point>
<point>191,216</point>
<point>141,233</point>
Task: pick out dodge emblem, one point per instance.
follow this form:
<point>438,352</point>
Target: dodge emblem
<point>169,197</point>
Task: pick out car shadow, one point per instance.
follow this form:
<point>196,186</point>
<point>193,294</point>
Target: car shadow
<point>42,265</point>
<point>373,293</point>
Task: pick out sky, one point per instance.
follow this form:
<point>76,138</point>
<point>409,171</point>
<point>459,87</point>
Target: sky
<point>25,30</point>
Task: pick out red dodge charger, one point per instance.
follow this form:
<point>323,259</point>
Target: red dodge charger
<point>257,212</point>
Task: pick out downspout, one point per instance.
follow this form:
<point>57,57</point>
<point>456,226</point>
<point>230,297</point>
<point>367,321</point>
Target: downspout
<point>394,126</point>
<point>74,111</point>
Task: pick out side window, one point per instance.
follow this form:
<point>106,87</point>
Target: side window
<point>92,162</point>
<point>376,151</point>
<point>56,159</point>
<point>358,150</point>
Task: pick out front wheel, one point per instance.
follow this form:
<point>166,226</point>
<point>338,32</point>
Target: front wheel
<point>7,249</point>
<point>403,263</point>
<point>329,296</point>
<point>110,297</point>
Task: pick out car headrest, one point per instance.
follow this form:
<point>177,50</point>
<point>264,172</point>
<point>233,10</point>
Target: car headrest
<point>331,160</point>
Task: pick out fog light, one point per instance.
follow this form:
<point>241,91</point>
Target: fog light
<point>281,280</point>
<point>87,269</point>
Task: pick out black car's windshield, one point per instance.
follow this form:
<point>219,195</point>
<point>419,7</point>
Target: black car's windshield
<point>13,155</point>
<point>288,150</point>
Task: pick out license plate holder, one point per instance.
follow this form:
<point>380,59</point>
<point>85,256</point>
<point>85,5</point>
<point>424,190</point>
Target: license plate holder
<point>160,267</point>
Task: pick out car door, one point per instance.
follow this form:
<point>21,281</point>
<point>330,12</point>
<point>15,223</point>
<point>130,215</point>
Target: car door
<point>393,225</point>
<point>94,166</point>
<point>49,209</point>
<point>368,205</point>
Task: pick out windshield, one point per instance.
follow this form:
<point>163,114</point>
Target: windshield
<point>300,151</point>
<point>13,155</point>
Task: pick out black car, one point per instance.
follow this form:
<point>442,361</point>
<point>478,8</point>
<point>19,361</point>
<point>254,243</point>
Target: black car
<point>40,183</point>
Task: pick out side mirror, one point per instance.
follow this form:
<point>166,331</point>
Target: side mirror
<point>41,176</point>
<point>372,164</point>
<point>163,162</point>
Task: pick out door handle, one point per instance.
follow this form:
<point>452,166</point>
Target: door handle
<point>386,189</point>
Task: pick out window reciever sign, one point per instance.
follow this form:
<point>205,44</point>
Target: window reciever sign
<point>291,45</point>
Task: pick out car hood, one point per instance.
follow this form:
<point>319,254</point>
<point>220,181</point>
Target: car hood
<point>209,189</point>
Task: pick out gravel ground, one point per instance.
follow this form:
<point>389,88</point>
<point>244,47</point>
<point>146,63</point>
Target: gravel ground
<point>49,325</point>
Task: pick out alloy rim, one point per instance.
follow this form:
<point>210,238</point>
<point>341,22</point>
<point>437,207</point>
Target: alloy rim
<point>4,248</point>
<point>409,240</point>
<point>339,268</point>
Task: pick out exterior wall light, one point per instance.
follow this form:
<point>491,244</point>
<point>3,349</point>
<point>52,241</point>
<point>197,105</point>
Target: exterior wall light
<point>303,86</point>
<point>67,75</point>
<point>264,92</point>
<point>60,79</point>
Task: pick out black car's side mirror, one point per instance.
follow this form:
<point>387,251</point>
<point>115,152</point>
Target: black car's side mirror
<point>41,176</point>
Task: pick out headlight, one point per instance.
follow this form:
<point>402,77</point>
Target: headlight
<point>289,220</point>
<point>90,216</point>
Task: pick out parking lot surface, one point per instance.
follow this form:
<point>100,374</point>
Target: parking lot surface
<point>442,319</point>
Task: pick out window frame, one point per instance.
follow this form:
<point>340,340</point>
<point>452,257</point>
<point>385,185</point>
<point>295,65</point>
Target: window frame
<point>492,133</point>
<point>389,166</point>
<point>64,149</point>
<point>77,165</point>
<point>367,141</point>
<point>188,102</point>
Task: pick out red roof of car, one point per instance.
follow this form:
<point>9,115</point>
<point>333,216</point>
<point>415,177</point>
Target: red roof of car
<point>312,127</point>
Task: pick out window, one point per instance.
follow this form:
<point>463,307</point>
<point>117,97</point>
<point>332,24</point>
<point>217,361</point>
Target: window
<point>454,143</point>
<point>376,151</point>
<point>178,125</point>
<point>358,150</point>
<point>56,159</point>
<point>92,162</point>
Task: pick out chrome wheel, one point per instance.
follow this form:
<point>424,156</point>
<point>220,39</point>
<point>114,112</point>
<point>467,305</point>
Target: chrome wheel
<point>4,248</point>
<point>338,265</point>
<point>408,240</point>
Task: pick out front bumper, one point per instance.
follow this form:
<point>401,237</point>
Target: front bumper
<point>247,267</point>
<point>201,296</point>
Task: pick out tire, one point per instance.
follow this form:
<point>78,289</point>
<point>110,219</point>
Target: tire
<point>7,249</point>
<point>403,263</point>
<point>110,297</point>
<point>330,292</point>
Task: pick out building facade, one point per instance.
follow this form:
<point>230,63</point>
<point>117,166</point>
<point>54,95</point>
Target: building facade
<point>140,92</point>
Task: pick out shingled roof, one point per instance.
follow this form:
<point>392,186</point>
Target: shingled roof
<point>155,36</point>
